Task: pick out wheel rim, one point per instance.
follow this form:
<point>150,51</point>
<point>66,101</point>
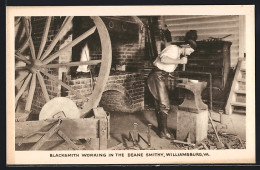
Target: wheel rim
<point>38,64</point>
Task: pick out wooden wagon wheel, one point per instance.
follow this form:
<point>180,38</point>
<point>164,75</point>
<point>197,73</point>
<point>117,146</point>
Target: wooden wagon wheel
<point>37,65</point>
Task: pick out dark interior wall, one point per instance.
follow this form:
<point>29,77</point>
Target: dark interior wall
<point>207,26</point>
<point>124,33</point>
<point>126,48</point>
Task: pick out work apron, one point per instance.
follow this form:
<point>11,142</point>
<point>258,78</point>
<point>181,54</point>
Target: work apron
<point>157,83</point>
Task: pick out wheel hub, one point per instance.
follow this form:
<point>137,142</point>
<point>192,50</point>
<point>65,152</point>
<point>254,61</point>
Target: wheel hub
<point>35,66</point>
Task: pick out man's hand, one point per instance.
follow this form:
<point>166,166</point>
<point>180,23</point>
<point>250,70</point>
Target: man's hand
<point>184,60</point>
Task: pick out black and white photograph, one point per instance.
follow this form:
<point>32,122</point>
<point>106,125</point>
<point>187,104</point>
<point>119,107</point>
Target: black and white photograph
<point>130,87</point>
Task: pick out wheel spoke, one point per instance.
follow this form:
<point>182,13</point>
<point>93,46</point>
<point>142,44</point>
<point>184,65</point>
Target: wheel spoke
<point>28,33</point>
<point>64,85</point>
<point>44,36</point>
<point>70,45</point>
<point>21,57</point>
<point>65,20</point>
<point>19,36</point>
<point>17,21</point>
<point>22,89</point>
<point>26,42</point>
<point>21,68</point>
<point>43,86</point>
<point>56,38</point>
<point>24,46</point>
<point>31,93</point>
<point>92,62</point>
<point>20,77</point>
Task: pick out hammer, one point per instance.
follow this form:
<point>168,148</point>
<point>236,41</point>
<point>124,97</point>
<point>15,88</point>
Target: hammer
<point>184,65</point>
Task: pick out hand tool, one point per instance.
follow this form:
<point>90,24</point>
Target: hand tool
<point>184,66</point>
<point>134,134</point>
<point>149,135</point>
<point>188,138</point>
<point>219,144</point>
<point>182,142</point>
<point>204,145</point>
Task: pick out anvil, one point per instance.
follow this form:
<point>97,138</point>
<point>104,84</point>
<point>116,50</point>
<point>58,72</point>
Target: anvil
<point>192,100</point>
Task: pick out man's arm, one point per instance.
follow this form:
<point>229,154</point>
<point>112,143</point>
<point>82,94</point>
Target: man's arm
<point>168,60</point>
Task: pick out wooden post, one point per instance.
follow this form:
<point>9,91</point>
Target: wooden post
<point>63,89</point>
<point>102,134</point>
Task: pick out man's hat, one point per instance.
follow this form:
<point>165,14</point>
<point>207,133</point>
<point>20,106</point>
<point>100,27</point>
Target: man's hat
<point>190,44</point>
<point>191,35</point>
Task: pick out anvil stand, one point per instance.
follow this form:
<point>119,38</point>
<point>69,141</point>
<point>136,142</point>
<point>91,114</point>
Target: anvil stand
<point>192,115</point>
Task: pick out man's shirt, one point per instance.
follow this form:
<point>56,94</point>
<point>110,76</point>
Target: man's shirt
<point>172,51</point>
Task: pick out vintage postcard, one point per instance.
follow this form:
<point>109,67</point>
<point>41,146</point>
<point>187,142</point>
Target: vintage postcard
<point>130,84</point>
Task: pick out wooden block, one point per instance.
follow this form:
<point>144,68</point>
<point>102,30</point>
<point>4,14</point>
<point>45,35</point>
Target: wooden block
<point>195,124</point>
<point>73,128</point>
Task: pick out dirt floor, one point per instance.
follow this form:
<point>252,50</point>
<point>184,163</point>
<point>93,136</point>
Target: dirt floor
<point>231,132</point>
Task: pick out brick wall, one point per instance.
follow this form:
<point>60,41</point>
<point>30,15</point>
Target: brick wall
<point>126,86</point>
<point>131,55</point>
<point>123,92</point>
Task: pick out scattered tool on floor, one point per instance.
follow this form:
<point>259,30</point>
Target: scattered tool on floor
<point>198,148</point>
<point>188,138</point>
<point>204,145</point>
<point>219,144</point>
<point>188,141</point>
<point>240,141</point>
<point>182,142</point>
<point>149,135</point>
<point>135,136</point>
<point>228,145</point>
<point>148,141</point>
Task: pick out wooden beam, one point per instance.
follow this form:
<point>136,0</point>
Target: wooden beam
<point>44,36</point>
<point>67,139</point>
<point>45,137</point>
<point>56,38</point>
<point>32,131</point>
<point>70,45</point>
<point>92,62</point>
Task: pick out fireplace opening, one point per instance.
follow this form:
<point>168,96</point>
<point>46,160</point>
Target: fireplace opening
<point>113,100</point>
